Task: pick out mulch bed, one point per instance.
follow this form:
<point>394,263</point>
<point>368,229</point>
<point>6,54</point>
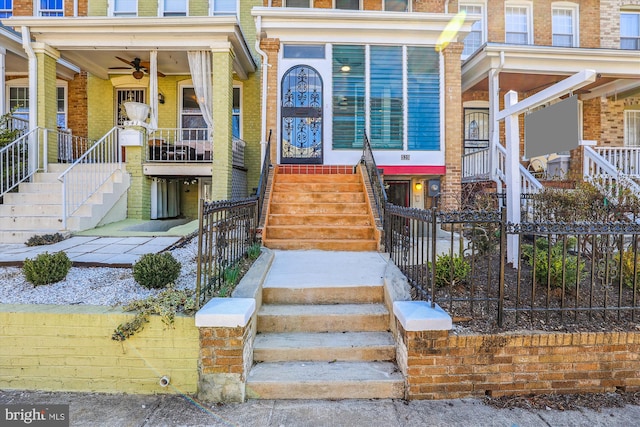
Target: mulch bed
<point>565,402</point>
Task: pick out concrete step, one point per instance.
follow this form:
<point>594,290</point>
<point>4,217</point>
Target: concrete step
<point>40,187</point>
<point>323,318</point>
<point>21,236</point>
<point>54,198</point>
<point>304,232</point>
<point>311,178</point>
<point>323,294</point>
<point>319,219</point>
<point>325,245</point>
<point>321,197</point>
<point>42,177</point>
<point>319,187</point>
<point>318,208</point>
<point>347,346</point>
<point>324,380</point>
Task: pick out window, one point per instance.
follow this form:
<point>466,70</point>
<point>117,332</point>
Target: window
<point>308,51</point>
<point>237,113</point>
<point>396,5</point>
<point>224,7</point>
<point>565,26</point>
<point>630,30</point>
<point>423,99</point>
<point>298,3</point>
<point>475,38</point>
<point>190,115</point>
<point>517,25</point>
<point>125,8</point>
<point>6,8</point>
<point>51,8</point>
<point>385,108</point>
<point>174,8</point>
<point>348,4</point>
<point>632,128</point>
<point>348,101</point>
<point>19,104</point>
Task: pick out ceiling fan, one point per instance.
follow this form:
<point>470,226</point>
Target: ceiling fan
<point>139,67</point>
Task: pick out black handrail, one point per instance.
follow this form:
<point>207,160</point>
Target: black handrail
<point>264,176</point>
<point>375,179</point>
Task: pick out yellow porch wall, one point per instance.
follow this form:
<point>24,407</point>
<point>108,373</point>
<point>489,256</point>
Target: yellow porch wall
<point>98,8</point>
<point>99,106</point>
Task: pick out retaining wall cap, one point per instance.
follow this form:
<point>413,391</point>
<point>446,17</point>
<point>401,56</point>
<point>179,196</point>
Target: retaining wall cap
<point>226,312</point>
<point>420,316</point>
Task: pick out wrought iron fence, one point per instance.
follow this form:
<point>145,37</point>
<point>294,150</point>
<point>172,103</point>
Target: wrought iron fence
<point>226,231</point>
<point>567,273</point>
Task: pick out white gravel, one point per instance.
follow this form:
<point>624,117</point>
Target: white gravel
<point>92,285</point>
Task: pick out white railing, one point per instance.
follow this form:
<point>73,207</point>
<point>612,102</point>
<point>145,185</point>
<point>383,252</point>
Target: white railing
<point>475,164</point>
<point>529,184</point>
<point>606,177</point>
<point>625,159</point>
<point>71,147</point>
<point>22,158</point>
<point>17,123</point>
<point>80,182</point>
<point>180,145</point>
<point>238,152</point>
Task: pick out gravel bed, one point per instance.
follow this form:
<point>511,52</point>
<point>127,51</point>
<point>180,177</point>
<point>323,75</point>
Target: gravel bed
<point>93,285</point>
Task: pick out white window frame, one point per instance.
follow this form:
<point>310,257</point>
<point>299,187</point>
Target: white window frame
<point>8,12</point>
<point>483,21</point>
<point>240,113</point>
<point>529,18</point>
<point>575,21</point>
<point>212,7</point>
<point>113,12</point>
<point>41,11</point>
<point>359,5</point>
<point>409,2</point>
<point>631,117</point>
<point>186,84</point>
<point>309,7</point>
<point>630,11</point>
<point>161,9</point>
<point>24,83</point>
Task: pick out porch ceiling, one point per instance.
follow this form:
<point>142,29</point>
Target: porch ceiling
<point>94,42</point>
<point>527,68</point>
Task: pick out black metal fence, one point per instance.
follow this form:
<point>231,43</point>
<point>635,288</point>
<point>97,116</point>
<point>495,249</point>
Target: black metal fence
<point>566,273</point>
<point>226,231</point>
<point>375,179</point>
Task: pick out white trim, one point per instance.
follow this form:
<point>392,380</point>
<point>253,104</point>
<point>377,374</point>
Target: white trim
<point>475,104</point>
<point>112,9</point>
<point>161,11</point>
<point>574,8</point>
<point>212,4</point>
<point>367,88</point>
<point>405,99</point>
<point>24,83</point>
<point>241,113</point>
<point>529,10</point>
<point>443,138</point>
<point>483,19</point>
<point>626,128</point>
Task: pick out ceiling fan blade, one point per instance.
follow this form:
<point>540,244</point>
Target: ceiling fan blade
<point>161,74</point>
<point>119,68</point>
<point>129,63</point>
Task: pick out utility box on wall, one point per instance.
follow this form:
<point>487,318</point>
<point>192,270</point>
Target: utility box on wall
<point>130,138</point>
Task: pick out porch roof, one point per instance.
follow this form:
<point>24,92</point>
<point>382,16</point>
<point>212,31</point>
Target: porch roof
<point>526,68</point>
<point>87,40</point>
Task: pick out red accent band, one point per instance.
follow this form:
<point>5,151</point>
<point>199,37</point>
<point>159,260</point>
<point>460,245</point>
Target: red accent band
<point>413,170</point>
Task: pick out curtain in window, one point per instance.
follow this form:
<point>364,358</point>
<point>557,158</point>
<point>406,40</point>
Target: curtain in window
<point>386,109</point>
<point>200,66</point>
<point>423,98</point>
<point>348,96</point>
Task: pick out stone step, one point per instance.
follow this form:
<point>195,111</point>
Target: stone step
<point>318,208</point>
<point>317,187</point>
<point>325,380</point>
<point>21,236</point>
<point>320,219</point>
<point>54,198</point>
<point>323,294</point>
<point>326,197</point>
<point>323,318</point>
<point>309,179</point>
<point>40,187</point>
<point>347,346</point>
<point>303,232</point>
<point>325,245</point>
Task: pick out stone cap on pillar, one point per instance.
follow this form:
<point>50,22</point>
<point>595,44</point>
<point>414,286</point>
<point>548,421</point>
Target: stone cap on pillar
<point>226,313</point>
<point>420,316</point>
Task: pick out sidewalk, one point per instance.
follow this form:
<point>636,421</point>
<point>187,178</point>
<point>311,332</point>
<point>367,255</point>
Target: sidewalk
<point>97,410</point>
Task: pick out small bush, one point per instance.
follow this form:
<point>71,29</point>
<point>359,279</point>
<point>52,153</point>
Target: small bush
<point>254,251</point>
<point>554,263</point>
<point>451,270</point>
<point>156,271</point>
<point>45,239</point>
<point>46,268</point>
<point>628,266</point>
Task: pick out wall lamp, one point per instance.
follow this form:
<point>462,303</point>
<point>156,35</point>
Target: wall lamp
<point>160,98</point>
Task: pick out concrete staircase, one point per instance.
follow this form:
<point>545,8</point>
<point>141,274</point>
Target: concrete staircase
<point>325,207</point>
<point>324,334</point>
<point>36,208</point>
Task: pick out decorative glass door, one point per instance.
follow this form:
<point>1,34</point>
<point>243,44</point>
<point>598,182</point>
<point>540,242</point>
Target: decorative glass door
<point>301,114</point>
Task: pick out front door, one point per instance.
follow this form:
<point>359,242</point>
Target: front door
<point>301,112</point>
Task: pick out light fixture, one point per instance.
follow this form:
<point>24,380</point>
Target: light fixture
<point>137,74</point>
<point>160,98</point>
<point>345,68</point>
<point>418,186</point>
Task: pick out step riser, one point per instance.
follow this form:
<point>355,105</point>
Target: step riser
<point>317,179</point>
<point>282,197</point>
<point>342,295</point>
<point>22,236</point>
<point>318,208</point>
<point>301,187</point>
<point>323,323</point>
<point>355,246</point>
<point>40,187</point>
<point>310,233</point>
<point>326,390</point>
<point>325,354</point>
<point>338,220</point>
<point>33,199</point>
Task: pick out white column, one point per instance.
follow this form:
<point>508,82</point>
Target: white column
<point>3,70</point>
<point>494,127</point>
<point>512,134</point>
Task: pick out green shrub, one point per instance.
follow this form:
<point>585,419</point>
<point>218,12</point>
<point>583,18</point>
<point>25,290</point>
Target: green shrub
<point>451,270</point>
<point>45,239</point>
<point>554,263</point>
<point>231,275</point>
<point>254,251</point>
<point>46,268</point>
<point>156,271</point>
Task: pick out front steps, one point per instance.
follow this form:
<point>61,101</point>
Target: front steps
<point>36,208</point>
<point>319,207</point>
<point>325,341</point>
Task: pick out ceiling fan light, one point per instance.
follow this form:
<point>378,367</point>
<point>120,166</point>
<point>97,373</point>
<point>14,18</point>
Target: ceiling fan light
<point>138,74</point>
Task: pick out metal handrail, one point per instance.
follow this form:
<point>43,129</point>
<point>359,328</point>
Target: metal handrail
<point>20,159</point>
<point>264,177</point>
<point>79,184</point>
<point>180,145</point>
<point>375,179</point>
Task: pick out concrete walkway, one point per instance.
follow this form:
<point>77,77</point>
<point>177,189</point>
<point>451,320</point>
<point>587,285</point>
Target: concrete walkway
<point>91,250</point>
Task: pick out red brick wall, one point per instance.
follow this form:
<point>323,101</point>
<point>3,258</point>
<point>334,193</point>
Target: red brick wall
<point>77,105</point>
<point>222,349</point>
<point>442,365</point>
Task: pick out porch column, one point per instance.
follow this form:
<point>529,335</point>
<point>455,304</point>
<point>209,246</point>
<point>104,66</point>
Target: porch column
<point>452,181</point>
<point>3,69</point>
<point>222,122</point>
<point>272,48</point>
<point>47,106</point>
<point>512,166</point>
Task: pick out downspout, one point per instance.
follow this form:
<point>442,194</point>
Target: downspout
<point>75,8</point>
<point>446,6</point>
<point>265,65</point>
<point>494,96</point>
<point>33,77</point>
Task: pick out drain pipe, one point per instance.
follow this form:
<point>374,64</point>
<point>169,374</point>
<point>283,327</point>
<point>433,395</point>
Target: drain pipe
<point>446,6</point>
<point>33,77</point>
<point>75,8</point>
<point>494,99</point>
<point>265,66</point>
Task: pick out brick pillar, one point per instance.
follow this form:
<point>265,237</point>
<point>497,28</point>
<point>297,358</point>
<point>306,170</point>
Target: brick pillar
<point>222,123</point>
<point>272,48</point>
<point>47,107</point>
<point>139,194</point>
<point>451,182</point>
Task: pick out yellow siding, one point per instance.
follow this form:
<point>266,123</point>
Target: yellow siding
<point>98,8</point>
<point>100,106</point>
